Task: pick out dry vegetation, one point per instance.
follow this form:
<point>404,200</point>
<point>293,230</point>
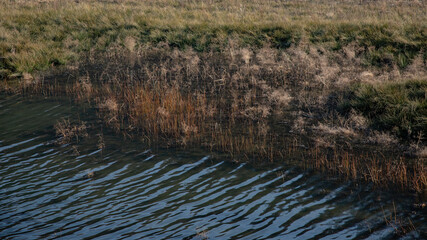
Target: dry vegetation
<point>264,81</point>
<point>256,106</point>
<point>67,131</point>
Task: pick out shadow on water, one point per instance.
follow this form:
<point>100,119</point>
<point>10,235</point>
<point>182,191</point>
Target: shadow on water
<point>125,190</point>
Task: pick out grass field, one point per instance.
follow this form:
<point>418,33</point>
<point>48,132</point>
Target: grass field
<point>37,34</point>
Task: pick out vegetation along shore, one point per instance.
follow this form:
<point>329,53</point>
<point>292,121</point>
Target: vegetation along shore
<point>334,86</point>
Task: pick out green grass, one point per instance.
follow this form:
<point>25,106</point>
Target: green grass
<point>382,44</point>
<point>35,36</point>
<point>400,107</point>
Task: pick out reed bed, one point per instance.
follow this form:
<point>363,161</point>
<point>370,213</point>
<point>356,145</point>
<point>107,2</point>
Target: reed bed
<point>255,106</point>
<point>375,168</point>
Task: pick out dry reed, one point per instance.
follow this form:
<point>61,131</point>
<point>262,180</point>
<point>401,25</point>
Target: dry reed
<point>254,105</point>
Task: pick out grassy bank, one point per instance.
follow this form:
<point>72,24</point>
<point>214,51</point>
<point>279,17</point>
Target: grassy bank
<point>38,34</point>
<point>320,84</point>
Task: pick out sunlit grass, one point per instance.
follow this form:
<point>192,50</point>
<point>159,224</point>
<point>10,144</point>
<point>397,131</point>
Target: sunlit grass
<point>38,34</point>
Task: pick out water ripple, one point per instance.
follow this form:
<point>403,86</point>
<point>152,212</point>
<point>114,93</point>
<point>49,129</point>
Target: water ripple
<point>46,192</point>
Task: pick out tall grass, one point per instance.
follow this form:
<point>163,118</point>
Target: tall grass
<point>255,106</point>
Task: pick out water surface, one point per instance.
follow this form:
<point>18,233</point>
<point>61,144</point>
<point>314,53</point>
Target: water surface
<point>128,191</point>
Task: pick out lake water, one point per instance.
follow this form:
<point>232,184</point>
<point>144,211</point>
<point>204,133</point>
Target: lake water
<point>128,191</point>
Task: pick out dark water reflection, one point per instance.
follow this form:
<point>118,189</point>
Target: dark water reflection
<point>45,191</point>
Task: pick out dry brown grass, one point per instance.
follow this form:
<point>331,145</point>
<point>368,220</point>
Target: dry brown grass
<point>254,105</point>
<point>164,112</point>
<point>378,169</point>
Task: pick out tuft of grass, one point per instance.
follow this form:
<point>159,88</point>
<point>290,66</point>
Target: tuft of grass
<point>399,107</point>
<point>68,131</point>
